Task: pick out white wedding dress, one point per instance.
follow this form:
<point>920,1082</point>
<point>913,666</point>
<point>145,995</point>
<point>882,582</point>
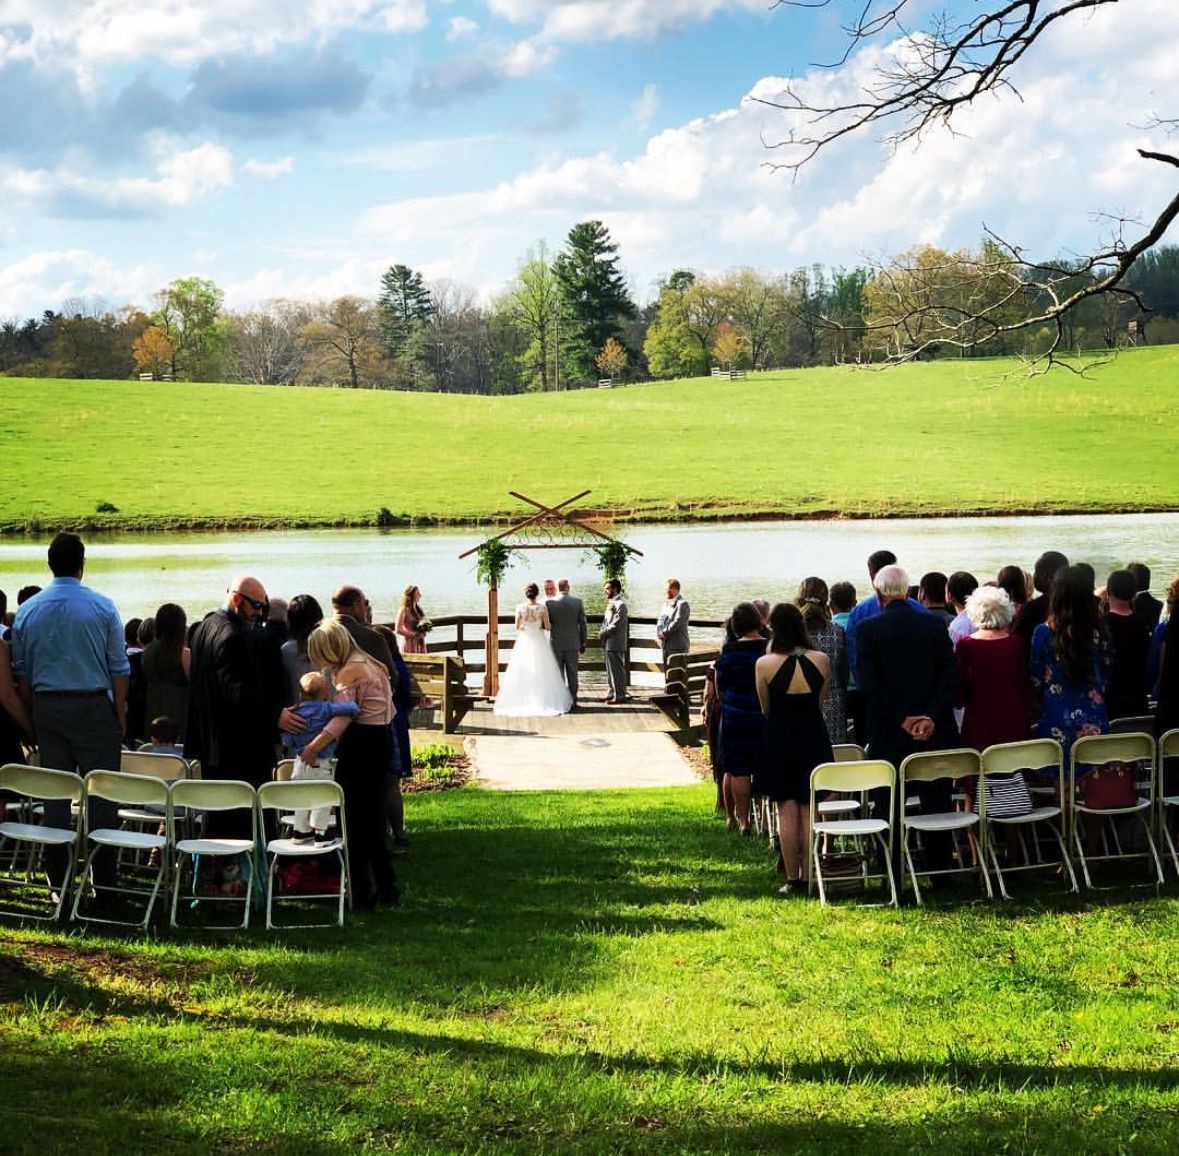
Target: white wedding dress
<point>532,685</point>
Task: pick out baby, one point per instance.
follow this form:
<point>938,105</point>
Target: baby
<point>317,711</point>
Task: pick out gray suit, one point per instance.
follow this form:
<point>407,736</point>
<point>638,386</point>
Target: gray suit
<point>673,628</point>
<point>567,636</point>
<point>615,636</point>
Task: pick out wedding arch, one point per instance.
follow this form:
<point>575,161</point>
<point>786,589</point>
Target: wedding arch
<point>555,527</point>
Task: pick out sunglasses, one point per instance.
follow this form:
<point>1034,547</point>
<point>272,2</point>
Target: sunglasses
<point>253,602</point>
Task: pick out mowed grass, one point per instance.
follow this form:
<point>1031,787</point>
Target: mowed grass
<point>942,437</point>
<point>605,972</point>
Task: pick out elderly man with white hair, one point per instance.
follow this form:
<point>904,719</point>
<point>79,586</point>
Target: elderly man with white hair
<point>908,679</point>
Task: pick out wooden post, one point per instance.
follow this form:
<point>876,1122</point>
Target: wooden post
<point>447,706</point>
<point>491,644</point>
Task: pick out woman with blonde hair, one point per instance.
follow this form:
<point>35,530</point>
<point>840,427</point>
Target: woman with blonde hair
<point>362,760</point>
<point>409,619</point>
<point>828,638</point>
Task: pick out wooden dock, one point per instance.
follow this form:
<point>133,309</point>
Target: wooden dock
<point>592,717</point>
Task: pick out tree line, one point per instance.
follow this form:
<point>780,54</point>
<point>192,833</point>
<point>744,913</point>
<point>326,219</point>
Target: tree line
<point>569,318</point>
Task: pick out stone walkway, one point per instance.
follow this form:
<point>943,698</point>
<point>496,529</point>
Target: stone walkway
<point>581,762</point>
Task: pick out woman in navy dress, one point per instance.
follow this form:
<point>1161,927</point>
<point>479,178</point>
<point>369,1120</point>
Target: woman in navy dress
<point>741,721</point>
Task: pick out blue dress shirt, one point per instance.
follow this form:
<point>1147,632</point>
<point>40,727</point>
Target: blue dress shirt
<point>69,637</point>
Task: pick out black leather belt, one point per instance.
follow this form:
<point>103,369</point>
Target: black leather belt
<point>71,693</point>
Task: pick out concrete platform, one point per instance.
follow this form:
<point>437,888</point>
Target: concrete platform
<point>577,762</point>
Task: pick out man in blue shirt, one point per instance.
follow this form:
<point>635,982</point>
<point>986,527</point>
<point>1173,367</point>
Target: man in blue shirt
<point>71,667</point>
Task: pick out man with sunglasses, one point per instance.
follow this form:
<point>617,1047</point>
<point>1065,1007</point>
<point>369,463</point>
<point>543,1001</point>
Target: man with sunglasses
<point>233,719</point>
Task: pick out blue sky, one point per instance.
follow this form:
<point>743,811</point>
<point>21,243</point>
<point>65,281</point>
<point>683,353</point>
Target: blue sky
<point>300,148</point>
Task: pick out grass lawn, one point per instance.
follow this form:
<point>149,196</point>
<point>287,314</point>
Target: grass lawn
<point>941,437</point>
<point>604,972</point>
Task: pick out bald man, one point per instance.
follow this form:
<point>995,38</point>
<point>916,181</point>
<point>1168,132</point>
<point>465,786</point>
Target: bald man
<point>232,716</point>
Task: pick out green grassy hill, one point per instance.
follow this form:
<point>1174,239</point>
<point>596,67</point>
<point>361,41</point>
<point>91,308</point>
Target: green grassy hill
<point>944,437</point>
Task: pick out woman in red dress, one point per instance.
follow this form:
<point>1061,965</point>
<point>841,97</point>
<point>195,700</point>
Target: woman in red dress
<point>993,681</point>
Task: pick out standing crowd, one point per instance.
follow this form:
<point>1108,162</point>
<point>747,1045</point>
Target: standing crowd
<point>79,685</point>
<point>947,663</point>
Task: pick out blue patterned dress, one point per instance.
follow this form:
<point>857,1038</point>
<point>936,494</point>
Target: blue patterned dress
<point>742,724</point>
<point>1069,710</point>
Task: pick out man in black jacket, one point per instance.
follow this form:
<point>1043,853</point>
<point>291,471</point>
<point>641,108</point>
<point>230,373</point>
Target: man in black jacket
<point>908,677</point>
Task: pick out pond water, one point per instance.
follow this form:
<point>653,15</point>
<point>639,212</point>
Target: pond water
<point>718,564</point>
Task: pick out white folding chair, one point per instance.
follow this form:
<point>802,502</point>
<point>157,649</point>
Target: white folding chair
<point>166,768</point>
<point>929,767</point>
<point>129,790</point>
<point>1137,750</point>
<point>304,794</point>
<point>44,786</point>
<point>853,778</point>
<point>835,805</point>
<point>208,795</point>
<point>1168,748</point>
<point>1005,760</point>
<point>1137,724</point>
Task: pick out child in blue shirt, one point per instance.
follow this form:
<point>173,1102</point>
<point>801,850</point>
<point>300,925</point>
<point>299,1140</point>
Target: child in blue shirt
<point>317,711</point>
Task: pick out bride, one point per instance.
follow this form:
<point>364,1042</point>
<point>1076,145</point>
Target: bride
<point>532,685</point>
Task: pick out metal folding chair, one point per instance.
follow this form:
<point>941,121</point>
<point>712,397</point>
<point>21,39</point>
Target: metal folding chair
<point>1168,748</point>
<point>129,790</point>
<point>43,786</point>
<point>216,795</point>
<point>305,794</point>
<point>853,778</point>
<point>1006,759</point>
<point>929,767</point>
<point>1138,750</point>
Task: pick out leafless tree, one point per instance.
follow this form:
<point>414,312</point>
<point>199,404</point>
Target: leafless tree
<point>267,344</point>
<point>938,66</point>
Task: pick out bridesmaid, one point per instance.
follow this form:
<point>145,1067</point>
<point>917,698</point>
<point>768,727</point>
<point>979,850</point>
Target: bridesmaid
<point>410,615</point>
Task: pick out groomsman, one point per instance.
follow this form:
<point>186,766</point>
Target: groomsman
<point>671,629</point>
<point>567,632</point>
<point>615,636</point>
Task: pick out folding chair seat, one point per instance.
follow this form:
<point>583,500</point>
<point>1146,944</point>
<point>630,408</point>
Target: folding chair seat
<point>853,778</point>
<point>137,792</point>
<point>1001,762</point>
<point>304,794</point>
<point>31,784</point>
<point>1138,751</point>
<point>1168,748</point>
<point>214,795</point>
<point>929,767</point>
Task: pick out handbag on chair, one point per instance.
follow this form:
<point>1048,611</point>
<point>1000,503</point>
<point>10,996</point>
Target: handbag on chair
<point>1109,787</point>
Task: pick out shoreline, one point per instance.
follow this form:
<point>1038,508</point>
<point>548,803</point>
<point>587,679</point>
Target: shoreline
<point>685,515</point>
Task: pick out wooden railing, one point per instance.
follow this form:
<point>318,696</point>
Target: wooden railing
<point>462,635</point>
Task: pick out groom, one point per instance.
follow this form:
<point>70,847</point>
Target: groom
<point>567,631</point>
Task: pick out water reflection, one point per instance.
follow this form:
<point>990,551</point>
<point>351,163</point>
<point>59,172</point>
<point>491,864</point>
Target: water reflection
<point>718,564</point>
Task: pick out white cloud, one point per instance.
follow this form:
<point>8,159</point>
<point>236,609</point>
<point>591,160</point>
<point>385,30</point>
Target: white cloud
<point>89,35</point>
<point>184,176</point>
<point>580,20</point>
<point>460,26</point>
<point>268,170</point>
<point>52,276</point>
<point>420,156</point>
<point>643,110</point>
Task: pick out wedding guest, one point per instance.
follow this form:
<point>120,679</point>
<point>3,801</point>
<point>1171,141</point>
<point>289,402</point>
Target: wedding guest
<point>827,637</point>
<point>15,720</point>
<point>1035,610</point>
<point>137,685</point>
<point>363,757</point>
<point>742,724</point>
<point>1011,579</point>
<point>304,614</point>
<point>843,600</point>
<point>993,682</point>
<point>406,695</point>
<point>165,666</point>
<point>1146,605</point>
<point>791,680</point>
<point>959,587</point>
<point>1167,686</point>
<point>1070,662</point>
<point>931,593</point>
<point>1155,656</point>
<point>409,619</point>
<point>1130,638</point>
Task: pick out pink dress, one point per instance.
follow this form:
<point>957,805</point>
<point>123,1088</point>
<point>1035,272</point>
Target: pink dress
<point>407,622</point>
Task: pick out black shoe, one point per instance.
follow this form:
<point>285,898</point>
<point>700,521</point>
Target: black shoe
<point>388,896</point>
<point>302,836</point>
